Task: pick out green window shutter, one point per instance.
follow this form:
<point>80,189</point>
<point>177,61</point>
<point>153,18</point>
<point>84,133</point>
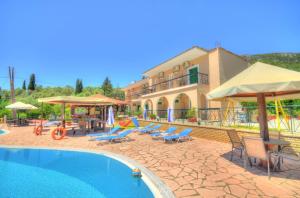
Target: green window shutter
<point>193,74</point>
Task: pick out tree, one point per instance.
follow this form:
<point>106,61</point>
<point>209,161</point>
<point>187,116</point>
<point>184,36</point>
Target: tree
<point>32,84</point>
<point>24,85</point>
<point>107,87</point>
<point>11,73</point>
<point>118,94</point>
<point>79,86</point>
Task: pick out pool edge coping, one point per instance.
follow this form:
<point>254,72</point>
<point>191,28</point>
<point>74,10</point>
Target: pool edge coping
<point>5,131</point>
<point>155,184</point>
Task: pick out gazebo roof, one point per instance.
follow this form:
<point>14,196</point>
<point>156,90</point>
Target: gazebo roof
<point>74,100</point>
<point>108,99</point>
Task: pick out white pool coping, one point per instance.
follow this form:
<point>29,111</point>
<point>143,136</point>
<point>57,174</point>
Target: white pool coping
<point>157,187</point>
<point>5,132</point>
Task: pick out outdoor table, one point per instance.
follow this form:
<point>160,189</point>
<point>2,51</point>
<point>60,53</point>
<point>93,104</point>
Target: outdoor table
<point>279,144</point>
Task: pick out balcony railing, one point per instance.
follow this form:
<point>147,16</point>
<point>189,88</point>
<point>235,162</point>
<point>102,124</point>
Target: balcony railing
<point>188,79</point>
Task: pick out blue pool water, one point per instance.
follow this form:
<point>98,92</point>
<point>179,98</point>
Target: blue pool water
<point>1,132</point>
<point>41,173</point>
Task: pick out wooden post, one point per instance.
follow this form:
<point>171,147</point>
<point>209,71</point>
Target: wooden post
<point>262,116</point>
<point>63,114</point>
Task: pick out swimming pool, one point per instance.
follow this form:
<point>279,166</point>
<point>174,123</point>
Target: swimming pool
<point>58,173</point>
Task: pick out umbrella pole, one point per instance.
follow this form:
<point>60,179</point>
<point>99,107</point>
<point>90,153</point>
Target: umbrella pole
<point>262,116</point>
<point>63,112</point>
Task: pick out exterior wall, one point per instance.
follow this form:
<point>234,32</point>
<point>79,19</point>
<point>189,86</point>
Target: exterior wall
<point>223,65</point>
<point>214,75</point>
<point>219,64</point>
<point>230,65</point>
<point>192,93</point>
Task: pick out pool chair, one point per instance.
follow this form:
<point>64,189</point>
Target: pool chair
<point>255,148</point>
<point>135,122</point>
<point>111,132</point>
<point>124,123</point>
<point>145,127</point>
<point>169,131</point>
<point>185,134</point>
<point>149,129</point>
<point>121,136</point>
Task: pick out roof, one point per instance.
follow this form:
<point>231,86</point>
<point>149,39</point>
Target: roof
<point>74,100</point>
<point>275,82</point>
<point>186,55</point>
<point>110,100</point>
<point>136,83</point>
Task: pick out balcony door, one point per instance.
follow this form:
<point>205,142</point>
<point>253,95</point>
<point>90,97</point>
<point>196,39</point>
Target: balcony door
<point>193,74</point>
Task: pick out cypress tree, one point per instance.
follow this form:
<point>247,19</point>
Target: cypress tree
<point>79,86</point>
<point>32,84</point>
<point>107,87</point>
<point>24,85</point>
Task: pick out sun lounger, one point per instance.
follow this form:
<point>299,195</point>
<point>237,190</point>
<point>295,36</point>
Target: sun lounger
<point>111,132</point>
<point>121,136</point>
<point>180,136</point>
<point>124,124</point>
<point>166,132</point>
<point>145,127</point>
<point>135,122</point>
<point>149,129</point>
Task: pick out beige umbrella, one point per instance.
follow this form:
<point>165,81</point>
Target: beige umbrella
<point>261,81</point>
<point>20,106</point>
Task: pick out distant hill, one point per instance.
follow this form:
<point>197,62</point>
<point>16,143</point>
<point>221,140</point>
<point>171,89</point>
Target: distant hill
<point>286,60</point>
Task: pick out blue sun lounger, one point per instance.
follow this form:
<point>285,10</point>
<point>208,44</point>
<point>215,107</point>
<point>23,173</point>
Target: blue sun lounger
<point>121,136</point>
<point>149,129</point>
<point>166,132</point>
<point>185,134</point>
<point>112,131</point>
<point>145,127</point>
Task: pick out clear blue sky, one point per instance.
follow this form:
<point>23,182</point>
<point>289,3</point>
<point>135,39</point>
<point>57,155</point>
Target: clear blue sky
<point>62,40</point>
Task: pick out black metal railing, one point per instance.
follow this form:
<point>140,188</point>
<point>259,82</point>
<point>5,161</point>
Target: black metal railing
<point>239,117</point>
<point>188,79</point>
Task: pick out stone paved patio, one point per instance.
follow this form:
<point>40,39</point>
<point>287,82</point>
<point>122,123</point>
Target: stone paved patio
<point>199,168</point>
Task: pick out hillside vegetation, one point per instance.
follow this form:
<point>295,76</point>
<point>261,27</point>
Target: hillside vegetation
<point>286,60</point>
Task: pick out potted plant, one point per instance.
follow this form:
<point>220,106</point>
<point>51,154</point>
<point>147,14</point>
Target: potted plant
<point>152,116</point>
<point>139,114</point>
<point>191,115</point>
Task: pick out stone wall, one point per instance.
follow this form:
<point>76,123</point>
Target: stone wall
<point>219,134</point>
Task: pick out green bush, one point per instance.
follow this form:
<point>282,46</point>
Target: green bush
<point>191,113</point>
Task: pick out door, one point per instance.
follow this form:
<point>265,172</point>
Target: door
<point>193,75</point>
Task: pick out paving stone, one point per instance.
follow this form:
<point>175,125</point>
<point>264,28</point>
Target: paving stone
<point>210,193</point>
<point>196,168</point>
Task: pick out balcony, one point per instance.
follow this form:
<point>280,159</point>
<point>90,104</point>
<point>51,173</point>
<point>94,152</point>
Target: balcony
<point>181,81</point>
<point>189,79</point>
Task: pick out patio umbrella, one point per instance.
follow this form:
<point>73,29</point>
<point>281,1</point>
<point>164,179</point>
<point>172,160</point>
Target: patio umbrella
<point>20,106</point>
<point>110,120</point>
<point>170,115</point>
<point>145,114</point>
<point>261,81</point>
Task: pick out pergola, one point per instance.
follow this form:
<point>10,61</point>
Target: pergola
<point>74,101</point>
